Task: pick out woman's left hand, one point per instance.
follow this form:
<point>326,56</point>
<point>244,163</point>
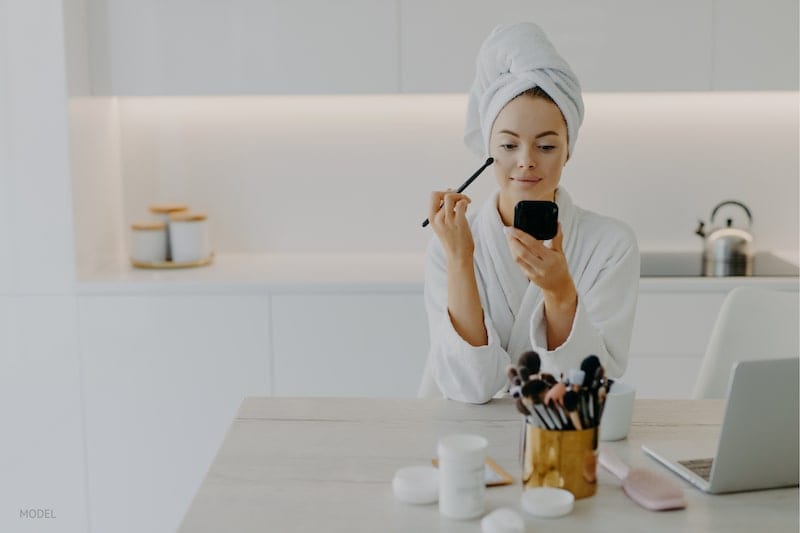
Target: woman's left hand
<point>546,267</point>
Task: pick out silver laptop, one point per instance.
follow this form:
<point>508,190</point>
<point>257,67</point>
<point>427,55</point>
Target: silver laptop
<point>758,443</point>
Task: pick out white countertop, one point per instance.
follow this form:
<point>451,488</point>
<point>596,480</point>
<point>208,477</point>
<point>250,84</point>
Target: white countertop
<point>314,464</point>
<point>329,272</point>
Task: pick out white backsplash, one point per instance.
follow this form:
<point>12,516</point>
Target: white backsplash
<point>353,173</point>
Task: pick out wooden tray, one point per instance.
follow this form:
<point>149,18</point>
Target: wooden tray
<point>173,264</point>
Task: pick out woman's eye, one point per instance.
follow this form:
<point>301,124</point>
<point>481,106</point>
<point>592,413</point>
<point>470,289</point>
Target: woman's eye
<point>546,148</point>
<point>508,146</point>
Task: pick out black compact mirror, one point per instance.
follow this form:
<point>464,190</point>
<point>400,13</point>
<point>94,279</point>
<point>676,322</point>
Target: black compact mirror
<point>538,218</point>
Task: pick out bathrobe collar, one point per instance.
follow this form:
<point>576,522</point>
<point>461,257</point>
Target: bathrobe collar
<point>520,295</point>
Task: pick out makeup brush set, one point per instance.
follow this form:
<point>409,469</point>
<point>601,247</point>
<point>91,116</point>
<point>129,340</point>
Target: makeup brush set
<point>572,403</point>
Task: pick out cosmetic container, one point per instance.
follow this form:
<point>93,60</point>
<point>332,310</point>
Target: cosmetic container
<point>462,487</point>
<point>561,459</point>
<point>149,241</point>
<point>188,236</point>
<point>416,485</point>
<point>163,213</point>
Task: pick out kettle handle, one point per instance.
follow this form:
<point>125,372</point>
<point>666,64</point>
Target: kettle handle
<point>733,202</point>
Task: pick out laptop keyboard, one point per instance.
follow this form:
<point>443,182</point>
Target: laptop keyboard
<point>701,467</point>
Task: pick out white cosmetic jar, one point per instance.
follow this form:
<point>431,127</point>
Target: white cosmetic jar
<point>462,485</point>
<point>188,237</point>
<point>149,241</point>
<point>163,212</point>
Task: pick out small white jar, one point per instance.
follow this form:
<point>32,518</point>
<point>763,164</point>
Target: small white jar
<point>163,212</point>
<point>462,484</point>
<point>149,241</point>
<point>188,237</point>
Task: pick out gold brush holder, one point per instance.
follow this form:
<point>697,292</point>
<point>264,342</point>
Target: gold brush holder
<point>562,459</point>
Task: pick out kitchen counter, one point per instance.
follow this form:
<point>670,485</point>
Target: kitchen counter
<point>354,272</point>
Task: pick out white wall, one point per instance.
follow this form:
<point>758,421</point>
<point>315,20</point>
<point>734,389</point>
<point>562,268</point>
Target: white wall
<point>353,173</point>
<point>41,444</point>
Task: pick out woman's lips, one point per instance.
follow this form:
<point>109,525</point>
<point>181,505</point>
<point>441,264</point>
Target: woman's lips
<point>527,180</point>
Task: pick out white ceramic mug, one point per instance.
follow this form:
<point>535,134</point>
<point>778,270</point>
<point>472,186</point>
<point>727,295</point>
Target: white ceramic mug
<point>618,412</point>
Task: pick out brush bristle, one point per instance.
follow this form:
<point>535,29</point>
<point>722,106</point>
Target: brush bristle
<point>531,361</point>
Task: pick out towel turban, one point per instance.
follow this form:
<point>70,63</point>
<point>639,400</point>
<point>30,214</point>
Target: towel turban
<point>513,59</point>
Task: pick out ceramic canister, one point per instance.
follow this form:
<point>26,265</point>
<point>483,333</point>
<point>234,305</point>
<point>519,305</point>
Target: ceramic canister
<point>163,212</point>
<point>149,241</point>
<point>188,235</point>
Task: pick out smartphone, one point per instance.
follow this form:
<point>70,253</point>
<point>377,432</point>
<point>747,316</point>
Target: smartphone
<point>538,218</point>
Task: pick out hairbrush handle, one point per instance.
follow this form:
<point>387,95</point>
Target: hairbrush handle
<point>613,464</point>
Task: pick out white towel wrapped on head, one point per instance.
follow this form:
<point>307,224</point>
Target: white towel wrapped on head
<point>513,59</point>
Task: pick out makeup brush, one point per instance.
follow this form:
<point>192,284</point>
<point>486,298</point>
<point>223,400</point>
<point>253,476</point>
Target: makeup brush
<point>466,183</point>
<point>532,394</point>
<point>556,393</point>
<point>571,405</point>
<point>516,383</point>
<point>590,366</point>
<point>536,389</point>
<point>521,407</point>
<point>531,361</point>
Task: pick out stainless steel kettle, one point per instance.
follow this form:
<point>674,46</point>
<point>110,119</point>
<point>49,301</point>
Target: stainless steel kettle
<point>728,249</point>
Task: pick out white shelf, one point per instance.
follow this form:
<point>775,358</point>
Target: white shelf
<point>309,272</point>
<point>323,272</point>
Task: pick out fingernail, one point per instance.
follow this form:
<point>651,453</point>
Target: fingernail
<point>548,243</point>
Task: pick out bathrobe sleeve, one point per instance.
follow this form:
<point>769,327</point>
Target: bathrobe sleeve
<point>608,288</point>
<point>463,372</point>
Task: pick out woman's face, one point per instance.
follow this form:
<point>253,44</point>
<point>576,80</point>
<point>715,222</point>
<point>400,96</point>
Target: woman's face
<point>529,146</point>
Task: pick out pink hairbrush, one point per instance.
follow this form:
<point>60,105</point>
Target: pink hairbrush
<point>649,489</point>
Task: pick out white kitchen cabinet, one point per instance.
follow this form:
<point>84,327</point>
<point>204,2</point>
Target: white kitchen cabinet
<point>36,242</point>
<point>670,334</point>
<point>755,45</point>
<point>41,440</point>
<point>612,45</point>
<point>349,344</point>
<point>163,377</point>
<point>185,47</point>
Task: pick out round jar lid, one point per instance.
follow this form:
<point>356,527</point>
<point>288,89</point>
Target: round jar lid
<point>547,502</point>
<point>186,216</point>
<point>463,447</point>
<point>148,225</point>
<point>416,484</point>
<point>503,520</point>
<point>167,208</point>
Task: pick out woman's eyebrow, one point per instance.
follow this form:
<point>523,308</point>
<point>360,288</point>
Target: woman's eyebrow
<point>543,134</point>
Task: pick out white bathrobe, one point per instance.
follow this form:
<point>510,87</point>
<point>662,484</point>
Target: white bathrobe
<point>603,259</point>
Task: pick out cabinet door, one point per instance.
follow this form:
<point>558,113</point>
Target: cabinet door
<point>41,440</point>
<point>163,378</point>
<point>349,344</point>
<point>185,47</point>
<point>670,334</point>
<point>755,45</point>
<point>612,45</point>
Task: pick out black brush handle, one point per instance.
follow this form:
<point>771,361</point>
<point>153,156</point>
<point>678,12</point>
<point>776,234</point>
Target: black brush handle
<point>466,183</point>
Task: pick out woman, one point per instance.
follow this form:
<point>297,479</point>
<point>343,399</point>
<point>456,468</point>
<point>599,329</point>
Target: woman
<point>493,291</point>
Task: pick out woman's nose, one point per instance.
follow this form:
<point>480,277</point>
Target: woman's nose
<point>527,159</point>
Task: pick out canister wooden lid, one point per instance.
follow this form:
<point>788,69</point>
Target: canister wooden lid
<point>186,216</point>
<point>149,225</point>
<point>167,208</point>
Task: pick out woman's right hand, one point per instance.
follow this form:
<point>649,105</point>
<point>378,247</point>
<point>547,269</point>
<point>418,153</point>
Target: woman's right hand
<point>448,218</point>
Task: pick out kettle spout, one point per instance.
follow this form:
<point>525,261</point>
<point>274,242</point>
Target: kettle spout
<point>699,230</point>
